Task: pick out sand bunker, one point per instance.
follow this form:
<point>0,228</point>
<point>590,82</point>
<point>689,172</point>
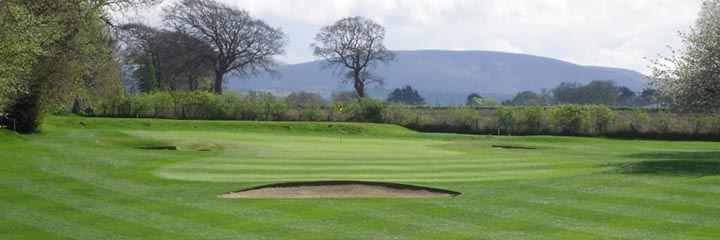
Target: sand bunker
<point>339,189</point>
<point>183,146</point>
<point>511,147</point>
<point>172,148</point>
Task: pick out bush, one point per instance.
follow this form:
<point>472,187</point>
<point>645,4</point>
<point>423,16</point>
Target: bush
<point>640,120</point>
<point>532,118</point>
<point>464,116</point>
<point>231,104</point>
<point>367,110</point>
<point>568,118</point>
<point>398,114</point>
<point>504,118</point>
<point>664,121</point>
<point>600,117</point>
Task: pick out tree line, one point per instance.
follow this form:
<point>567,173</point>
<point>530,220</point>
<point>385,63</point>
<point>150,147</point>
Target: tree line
<point>594,93</point>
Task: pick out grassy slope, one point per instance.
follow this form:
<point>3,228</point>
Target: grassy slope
<point>91,182</point>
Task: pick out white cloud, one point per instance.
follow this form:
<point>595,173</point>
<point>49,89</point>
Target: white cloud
<point>616,33</point>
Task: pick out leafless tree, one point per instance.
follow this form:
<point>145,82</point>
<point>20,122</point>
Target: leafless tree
<point>180,59</point>
<point>243,45</point>
<point>354,43</point>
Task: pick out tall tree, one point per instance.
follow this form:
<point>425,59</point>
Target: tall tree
<point>692,77</point>
<point>180,60</point>
<point>68,53</point>
<point>599,92</point>
<point>471,99</point>
<point>242,45</point>
<point>567,93</point>
<point>353,43</point>
<point>526,98</point>
<point>406,95</point>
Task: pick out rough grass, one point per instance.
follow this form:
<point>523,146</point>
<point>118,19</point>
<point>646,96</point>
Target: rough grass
<point>92,182</point>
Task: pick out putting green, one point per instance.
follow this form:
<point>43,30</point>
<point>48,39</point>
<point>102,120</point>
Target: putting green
<point>245,157</point>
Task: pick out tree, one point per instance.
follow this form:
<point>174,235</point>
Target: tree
<point>567,93</point>
<point>599,92</point>
<point>526,98</point>
<point>406,95</point>
<point>68,53</point>
<point>354,43</point>
<point>188,61</point>
<point>626,97</point>
<point>146,74</point>
<point>692,76</point>
<point>472,99</point>
<point>242,45</point>
<point>181,61</point>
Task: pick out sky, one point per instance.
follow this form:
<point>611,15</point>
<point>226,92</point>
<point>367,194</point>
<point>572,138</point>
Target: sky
<point>611,33</point>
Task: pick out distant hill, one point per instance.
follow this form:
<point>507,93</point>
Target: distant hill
<point>448,76</point>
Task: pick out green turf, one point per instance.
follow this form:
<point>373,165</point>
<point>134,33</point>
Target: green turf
<point>91,180</point>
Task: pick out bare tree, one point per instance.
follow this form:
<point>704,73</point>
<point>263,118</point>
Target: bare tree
<point>354,43</point>
<point>243,45</point>
<point>179,59</point>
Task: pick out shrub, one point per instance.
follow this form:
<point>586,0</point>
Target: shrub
<point>600,117</point>
<point>312,110</point>
<point>664,121</point>
<point>640,120</point>
<point>568,118</point>
<point>504,118</point>
<point>367,110</point>
<point>398,114</point>
<point>274,107</point>
<point>532,118</point>
<point>464,116</point>
<point>231,104</point>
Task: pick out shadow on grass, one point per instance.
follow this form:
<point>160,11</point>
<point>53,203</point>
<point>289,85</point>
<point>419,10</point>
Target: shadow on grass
<point>691,164</point>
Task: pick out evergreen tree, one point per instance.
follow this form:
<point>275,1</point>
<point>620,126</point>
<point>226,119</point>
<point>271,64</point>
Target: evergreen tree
<point>406,95</point>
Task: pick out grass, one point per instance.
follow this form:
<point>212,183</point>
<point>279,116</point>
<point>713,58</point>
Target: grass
<point>92,181</point>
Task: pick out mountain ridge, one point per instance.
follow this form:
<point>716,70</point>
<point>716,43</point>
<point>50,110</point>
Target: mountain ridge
<point>447,72</point>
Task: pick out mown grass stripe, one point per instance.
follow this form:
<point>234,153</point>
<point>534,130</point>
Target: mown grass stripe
<point>708,187</point>
<point>46,222</point>
<point>14,229</point>
<point>651,195</point>
<point>178,207</point>
<point>154,220</point>
<point>634,208</point>
<point>436,218</point>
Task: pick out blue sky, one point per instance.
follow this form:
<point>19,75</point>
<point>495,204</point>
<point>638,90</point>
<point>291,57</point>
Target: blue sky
<point>614,33</point>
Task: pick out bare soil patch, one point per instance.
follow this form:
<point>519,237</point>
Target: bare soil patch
<point>339,189</point>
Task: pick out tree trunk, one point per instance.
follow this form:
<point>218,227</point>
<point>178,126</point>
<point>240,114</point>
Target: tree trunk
<point>217,84</point>
<point>358,84</point>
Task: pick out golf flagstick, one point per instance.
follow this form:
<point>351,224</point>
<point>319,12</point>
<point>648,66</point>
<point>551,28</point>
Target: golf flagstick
<point>340,109</point>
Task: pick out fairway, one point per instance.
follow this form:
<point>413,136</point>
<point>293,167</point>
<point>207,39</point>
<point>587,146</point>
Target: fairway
<point>95,178</point>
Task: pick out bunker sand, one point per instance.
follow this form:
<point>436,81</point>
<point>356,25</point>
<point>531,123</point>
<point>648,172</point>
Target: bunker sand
<point>339,189</point>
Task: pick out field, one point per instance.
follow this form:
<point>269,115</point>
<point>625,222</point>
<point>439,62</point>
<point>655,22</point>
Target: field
<point>94,178</point>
